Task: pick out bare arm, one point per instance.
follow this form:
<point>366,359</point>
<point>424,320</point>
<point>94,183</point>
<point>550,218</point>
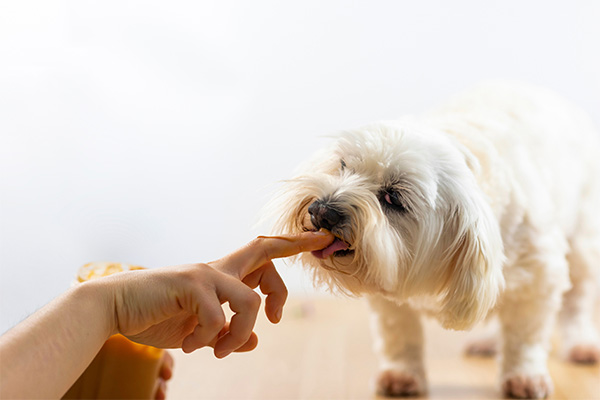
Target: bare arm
<point>44,355</point>
<point>169,307</point>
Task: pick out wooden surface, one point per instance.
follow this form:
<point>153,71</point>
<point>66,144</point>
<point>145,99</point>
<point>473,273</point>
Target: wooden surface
<point>322,349</point>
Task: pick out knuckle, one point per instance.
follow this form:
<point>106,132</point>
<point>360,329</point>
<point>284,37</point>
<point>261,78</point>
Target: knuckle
<point>261,245</point>
<point>187,275</point>
<point>258,241</point>
<point>214,320</point>
<point>252,299</point>
<point>193,272</point>
<point>202,268</point>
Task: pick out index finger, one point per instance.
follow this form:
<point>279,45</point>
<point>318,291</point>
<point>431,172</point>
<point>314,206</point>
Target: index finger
<point>265,248</point>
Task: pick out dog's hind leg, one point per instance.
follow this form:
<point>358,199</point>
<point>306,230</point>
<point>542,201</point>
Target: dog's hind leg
<point>580,339</point>
<point>486,343</point>
<point>398,342</point>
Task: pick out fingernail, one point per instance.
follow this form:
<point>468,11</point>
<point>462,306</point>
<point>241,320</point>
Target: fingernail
<point>222,353</point>
<point>279,313</point>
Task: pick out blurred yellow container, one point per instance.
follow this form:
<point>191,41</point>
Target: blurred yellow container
<point>122,369</point>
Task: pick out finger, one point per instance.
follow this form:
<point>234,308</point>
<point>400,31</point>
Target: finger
<point>272,285</point>
<point>245,303</point>
<point>211,320</point>
<point>248,346</point>
<point>265,248</point>
<point>166,368</point>
<point>240,332</point>
<point>160,389</point>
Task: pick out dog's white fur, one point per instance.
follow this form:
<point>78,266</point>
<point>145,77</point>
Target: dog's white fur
<point>501,190</point>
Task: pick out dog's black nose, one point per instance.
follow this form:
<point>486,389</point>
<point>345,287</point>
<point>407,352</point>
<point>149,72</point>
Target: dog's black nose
<point>323,216</point>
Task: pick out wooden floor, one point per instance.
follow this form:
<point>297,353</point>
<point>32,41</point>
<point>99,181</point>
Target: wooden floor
<point>322,350</point>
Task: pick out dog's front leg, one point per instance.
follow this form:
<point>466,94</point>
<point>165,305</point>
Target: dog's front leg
<point>399,346</point>
<point>527,321</point>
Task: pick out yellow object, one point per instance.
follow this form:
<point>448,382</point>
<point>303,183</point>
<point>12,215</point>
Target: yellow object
<point>122,369</point>
<point>99,269</point>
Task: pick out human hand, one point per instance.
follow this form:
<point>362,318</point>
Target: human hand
<point>164,374</point>
<point>252,265</point>
<point>181,306</point>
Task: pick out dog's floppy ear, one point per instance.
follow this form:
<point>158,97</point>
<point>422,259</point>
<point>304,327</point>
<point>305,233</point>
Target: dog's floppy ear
<point>473,259</point>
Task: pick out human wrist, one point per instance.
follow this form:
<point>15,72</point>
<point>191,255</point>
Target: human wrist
<point>99,299</point>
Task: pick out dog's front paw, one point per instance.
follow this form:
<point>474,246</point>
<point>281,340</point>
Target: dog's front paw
<point>393,383</point>
<point>523,386</point>
<point>584,354</point>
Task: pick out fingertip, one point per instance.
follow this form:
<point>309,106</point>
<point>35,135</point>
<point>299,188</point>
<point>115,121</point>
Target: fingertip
<point>250,345</point>
<point>274,316</point>
<point>319,238</point>
<point>222,353</point>
<point>160,392</point>
<point>219,349</point>
<point>166,369</point>
<point>187,346</point>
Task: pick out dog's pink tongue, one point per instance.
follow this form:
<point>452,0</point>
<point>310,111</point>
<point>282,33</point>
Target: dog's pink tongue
<point>332,248</point>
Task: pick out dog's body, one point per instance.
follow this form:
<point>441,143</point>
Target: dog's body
<point>488,204</point>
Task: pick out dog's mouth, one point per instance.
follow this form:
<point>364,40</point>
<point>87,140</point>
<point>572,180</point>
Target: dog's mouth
<point>338,248</point>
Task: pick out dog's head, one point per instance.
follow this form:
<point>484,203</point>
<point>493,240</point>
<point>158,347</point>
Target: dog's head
<point>408,216</point>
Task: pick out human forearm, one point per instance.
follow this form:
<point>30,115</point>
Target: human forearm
<point>172,307</point>
<point>44,355</point>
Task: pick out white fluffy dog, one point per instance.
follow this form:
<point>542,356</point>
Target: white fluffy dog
<point>489,204</point>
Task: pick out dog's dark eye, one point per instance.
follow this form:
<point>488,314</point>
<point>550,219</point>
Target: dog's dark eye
<point>343,164</point>
<point>393,199</point>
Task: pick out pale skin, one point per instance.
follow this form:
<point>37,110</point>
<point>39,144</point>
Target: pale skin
<point>171,307</point>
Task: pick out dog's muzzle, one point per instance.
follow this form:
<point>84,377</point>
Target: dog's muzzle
<point>322,215</point>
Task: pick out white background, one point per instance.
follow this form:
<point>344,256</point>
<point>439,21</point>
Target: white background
<point>153,132</point>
